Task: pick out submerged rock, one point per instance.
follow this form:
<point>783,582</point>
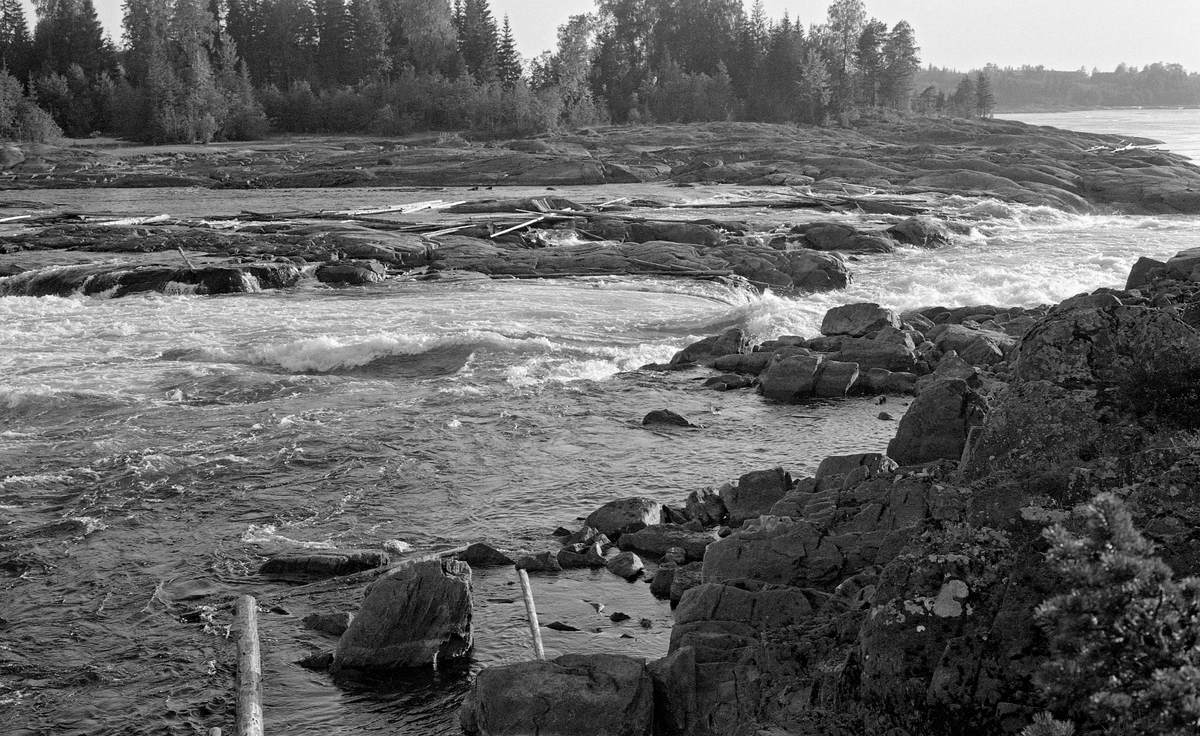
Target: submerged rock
<point>484,555</point>
<point>322,563</point>
<point>667,417</point>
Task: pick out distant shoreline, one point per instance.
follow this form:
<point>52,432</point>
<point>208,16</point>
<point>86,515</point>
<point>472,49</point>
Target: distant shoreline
<point>1059,110</point>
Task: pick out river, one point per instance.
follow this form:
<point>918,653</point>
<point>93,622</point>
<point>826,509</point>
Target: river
<point>154,450</point>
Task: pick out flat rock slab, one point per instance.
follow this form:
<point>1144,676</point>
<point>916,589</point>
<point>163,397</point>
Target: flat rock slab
<point>322,563</point>
<point>571,695</point>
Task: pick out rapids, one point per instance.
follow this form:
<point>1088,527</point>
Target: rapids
<point>154,449</point>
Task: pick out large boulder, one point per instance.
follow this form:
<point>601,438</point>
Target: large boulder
<point>416,616</point>
<point>920,231</point>
<point>790,378</point>
<point>870,354</point>
<point>657,539</point>
<point>706,506</point>
<point>834,236</point>
<point>775,549</point>
<point>625,515</point>
<point>843,471</point>
<point>10,156</point>
<point>937,424</point>
<point>571,695</point>
<point>754,493</point>
<point>706,351</point>
<point>858,319</point>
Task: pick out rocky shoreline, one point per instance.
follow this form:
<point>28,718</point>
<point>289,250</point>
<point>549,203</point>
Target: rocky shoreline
<point>888,593</point>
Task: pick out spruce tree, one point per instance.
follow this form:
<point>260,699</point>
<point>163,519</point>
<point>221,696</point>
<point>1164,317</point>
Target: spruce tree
<point>508,61</point>
<point>1125,635</point>
<point>962,102</point>
<point>478,40</point>
<point>332,25</point>
<point>368,42</point>
<point>985,101</point>
<point>16,45</point>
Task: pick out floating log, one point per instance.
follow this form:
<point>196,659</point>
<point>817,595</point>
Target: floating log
<point>249,670</point>
<point>530,609</point>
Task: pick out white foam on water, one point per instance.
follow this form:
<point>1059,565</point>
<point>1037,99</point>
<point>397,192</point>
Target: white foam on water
<point>328,353</point>
<point>268,535</point>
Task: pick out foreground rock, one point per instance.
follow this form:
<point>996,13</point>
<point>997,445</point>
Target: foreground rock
<point>584,695</point>
<point>417,616</point>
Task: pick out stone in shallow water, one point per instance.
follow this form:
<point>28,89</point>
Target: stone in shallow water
<point>322,563</point>
<point>416,616</point>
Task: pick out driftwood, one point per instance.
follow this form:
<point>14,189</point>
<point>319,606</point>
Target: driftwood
<point>249,670</point>
<point>531,610</point>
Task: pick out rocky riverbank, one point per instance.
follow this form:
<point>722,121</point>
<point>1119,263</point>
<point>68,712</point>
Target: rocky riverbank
<point>896,594</point>
<point>899,178</point>
<point>1006,159</point>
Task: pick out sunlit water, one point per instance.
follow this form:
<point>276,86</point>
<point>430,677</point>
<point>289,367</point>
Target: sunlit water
<point>174,441</point>
<point>1178,128</point>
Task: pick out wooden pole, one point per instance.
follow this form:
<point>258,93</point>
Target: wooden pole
<point>532,611</point>
<point>249,671</point>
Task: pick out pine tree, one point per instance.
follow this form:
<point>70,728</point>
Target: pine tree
<point>900,65</point>
<point>870,60</point>
<point>985,101</point>
<point>508,61</point>
<point>621,62</point>
<point>845,23</point>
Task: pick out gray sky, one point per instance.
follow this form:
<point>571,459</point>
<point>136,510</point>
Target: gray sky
<point>961,34</point>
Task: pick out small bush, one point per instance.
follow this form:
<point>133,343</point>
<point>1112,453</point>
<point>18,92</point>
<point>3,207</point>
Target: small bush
<point>1164,385</point>
<point>1125,638</point>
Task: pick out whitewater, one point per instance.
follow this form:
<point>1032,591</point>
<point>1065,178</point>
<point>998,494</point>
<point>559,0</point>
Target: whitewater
<point>154,449</point>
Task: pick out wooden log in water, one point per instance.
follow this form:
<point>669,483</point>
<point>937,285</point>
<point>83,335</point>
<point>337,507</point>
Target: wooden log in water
<point>249,670</point>
<point>530,609</point>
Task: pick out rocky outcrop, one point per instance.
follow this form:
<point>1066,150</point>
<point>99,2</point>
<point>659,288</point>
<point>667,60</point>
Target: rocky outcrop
<point>118,280</point>
<point>571,695</point>
<point>417,616</point>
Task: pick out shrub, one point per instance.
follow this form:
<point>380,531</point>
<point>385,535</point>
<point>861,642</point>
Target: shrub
<point>1164,385</point>
<point>1125,637</point>
<point>20,117</point>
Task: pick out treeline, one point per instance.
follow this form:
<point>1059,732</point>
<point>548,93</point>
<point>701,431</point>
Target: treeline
<point>1037,88</point>
<point>198,70</point>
